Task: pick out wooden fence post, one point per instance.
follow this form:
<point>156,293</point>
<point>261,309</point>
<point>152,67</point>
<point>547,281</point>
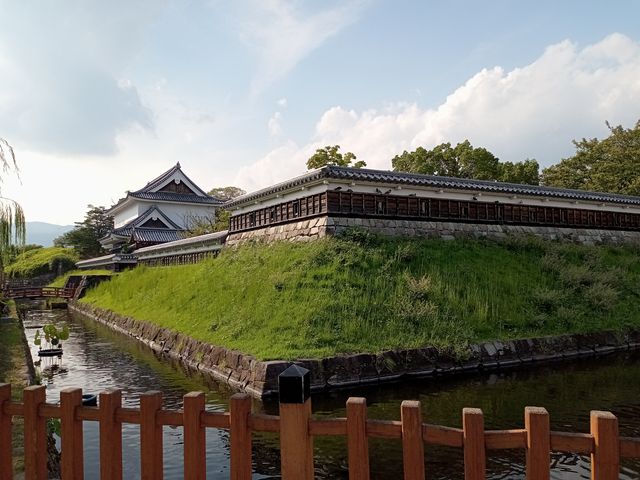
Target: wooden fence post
<point>151,465</point>
<point>536,421</point>
<point>296,443</point>
<point>357,442</point>
<point>412,442</point>
<point>110,435</point>
<point>605,459</point>
<point>195,465</point>
<point>72,467</point>
<point>240,437</point>
<point>35,434</point>
<point>473,438</point>
<point>6,456</point>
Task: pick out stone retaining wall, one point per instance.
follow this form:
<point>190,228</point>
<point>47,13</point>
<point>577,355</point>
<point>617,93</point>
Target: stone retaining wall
<point>451,230</point>
<point>301,231</point>
<point>239,370</point>
<point>321,226</point>
<point>260,378</point>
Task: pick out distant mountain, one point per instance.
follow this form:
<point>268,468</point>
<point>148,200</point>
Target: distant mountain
<point>42,233</point>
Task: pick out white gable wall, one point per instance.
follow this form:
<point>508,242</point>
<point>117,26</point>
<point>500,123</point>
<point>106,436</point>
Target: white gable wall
<point>181,178</point>
<point>127,214</point>
<point>180,214</point>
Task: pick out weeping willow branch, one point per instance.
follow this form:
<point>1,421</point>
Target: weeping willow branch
<point>12,224</point>
<point>7,157</point>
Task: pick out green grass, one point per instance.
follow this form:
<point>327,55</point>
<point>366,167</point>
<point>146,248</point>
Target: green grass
<point>362,293</point>
<point>41,261</point>
<point>12,370</point>
<point>62,279</point>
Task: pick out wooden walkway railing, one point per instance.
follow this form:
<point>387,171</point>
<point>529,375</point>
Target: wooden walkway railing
<point>297,429</point>
<point>38,292</point>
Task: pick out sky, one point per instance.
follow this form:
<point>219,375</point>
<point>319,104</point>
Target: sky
<point>100,97</point>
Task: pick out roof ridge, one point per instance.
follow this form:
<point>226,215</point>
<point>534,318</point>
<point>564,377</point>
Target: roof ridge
<point>389,176</point>
<point>159,179</point>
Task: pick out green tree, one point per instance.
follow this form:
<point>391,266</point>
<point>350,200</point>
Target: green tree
<point>465,161</point>
<point>85,236</point>
<point>608,165</point>
<point>527,171</point>
<point>330,155</point>
<point>226,193</point>
<point>219,221</point>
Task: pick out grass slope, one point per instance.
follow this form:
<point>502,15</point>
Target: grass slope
<point>363,293</point>
<point>41,261</point>
<point>13,371</point>
<point>62,279</point>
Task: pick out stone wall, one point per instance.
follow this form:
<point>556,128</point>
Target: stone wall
<point>451,230</point>
<point>321,226</point>
<point>239,370</point>
<point>301,231</point>
<point>260,378</point>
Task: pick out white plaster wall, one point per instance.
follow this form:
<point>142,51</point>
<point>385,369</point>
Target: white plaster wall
<point>181,213</point>
<point>430,192</point>
<point>127,214</point>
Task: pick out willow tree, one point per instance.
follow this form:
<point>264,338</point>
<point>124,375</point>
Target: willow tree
<point>12,224</point>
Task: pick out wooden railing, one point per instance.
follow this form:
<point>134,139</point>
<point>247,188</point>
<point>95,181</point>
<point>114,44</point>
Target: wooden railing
<point>297,429</point>
<point>38,292</point>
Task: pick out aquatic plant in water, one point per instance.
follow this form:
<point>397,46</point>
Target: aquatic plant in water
<point>52,336</point>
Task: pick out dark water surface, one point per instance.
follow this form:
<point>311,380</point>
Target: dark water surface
<point>97,358</point>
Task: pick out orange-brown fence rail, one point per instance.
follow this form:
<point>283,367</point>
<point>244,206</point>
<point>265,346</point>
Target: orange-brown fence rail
<point>38,292</point>
<point>297,429</point>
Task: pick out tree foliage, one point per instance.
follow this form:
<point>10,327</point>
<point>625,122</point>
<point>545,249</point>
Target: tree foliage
<point>220,221</point>
<point>330,155</point>
<point>84,238</point>
<point>226,193</point>
<point>608,165</point>
<point>465,161</point>
<point>42,261</point>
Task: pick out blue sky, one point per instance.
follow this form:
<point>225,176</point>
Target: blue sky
<point>99,97</point>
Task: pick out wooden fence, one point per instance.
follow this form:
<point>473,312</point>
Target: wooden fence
<point>297,429</point>
<point>38,292</point>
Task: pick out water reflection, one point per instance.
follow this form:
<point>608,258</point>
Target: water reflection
<point>97,358</point>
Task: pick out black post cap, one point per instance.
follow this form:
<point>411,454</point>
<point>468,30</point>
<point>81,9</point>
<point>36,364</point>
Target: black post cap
<point>294,385</point>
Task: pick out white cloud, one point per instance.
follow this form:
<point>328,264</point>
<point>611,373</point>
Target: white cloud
<point>274,125</point>
<point>530,112</point>
<point>282,102</point>
<point>63,86</point>
<point>282,34</point>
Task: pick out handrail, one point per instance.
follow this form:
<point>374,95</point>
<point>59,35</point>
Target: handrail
<point>296,427</point>
<point>38,292</point>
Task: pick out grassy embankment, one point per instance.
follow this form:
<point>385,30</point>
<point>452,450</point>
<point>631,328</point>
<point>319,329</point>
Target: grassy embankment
<point>62,279</point>
<point>13,370</point>
<point>366,294</point>
<point>41,261</point>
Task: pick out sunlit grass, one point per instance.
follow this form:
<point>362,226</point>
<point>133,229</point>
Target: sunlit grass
<point>41,261</point>
<point>62,279</point>
<point>367,294</point>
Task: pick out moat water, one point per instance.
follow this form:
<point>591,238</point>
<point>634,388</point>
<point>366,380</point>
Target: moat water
<point>96,358</point>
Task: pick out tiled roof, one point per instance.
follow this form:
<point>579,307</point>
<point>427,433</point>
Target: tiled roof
<point>175,197</point>
<point>158,181</point>
<point>400,178</point>
<point>216,237</point>
<point>108,260</point>
<point>158,235</point>
<point>144,216</point>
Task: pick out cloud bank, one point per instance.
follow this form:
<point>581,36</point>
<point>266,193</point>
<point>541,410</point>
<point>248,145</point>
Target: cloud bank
<point>63,85</point>
<point>529,112</point>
